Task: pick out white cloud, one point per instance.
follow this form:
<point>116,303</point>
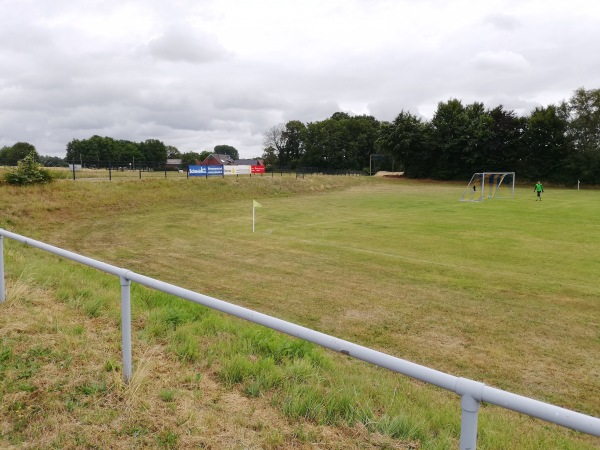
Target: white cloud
<point>505,61</point>
<point>505,22</point>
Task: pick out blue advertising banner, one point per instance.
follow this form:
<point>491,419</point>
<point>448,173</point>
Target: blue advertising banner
<point>203,171</point>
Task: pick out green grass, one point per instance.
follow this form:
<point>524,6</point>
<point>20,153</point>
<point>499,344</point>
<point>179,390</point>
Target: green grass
<point>503,292</point>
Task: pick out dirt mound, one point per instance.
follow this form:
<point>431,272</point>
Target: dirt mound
<point>382,173</point>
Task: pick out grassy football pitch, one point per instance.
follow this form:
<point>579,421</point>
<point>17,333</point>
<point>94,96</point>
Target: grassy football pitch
<point>504,291</point>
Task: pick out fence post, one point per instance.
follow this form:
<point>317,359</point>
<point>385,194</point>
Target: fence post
<point>2,291</point>
<point>471,394</point>
<point>468,422</point>
<point>126,327</point>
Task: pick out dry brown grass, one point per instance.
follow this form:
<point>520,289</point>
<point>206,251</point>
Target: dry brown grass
<point>75,398</point>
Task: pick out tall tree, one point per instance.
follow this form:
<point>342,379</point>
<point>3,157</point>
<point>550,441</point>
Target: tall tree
<point>325,144</point>
<point>173,152</point>
<point>270,157</point>
<point>275,139</point>
<point>341,142</point>
<point>95,151</point>
<point>582,113</point>
<point>408,140</point>
<point>363,131</point>
<point>154,152</point>
<point>128,152</point>
<point>545,145</point>
<point>193,158</point>
<point>15,153</point>
<point>52,161</point>
<point>227,150</point>
<point>503,150</point>
<point>292,138</point>
<point>460,135</point>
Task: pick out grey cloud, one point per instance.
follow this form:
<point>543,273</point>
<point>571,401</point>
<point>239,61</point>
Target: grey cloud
<point>246,100</point>
<point>311,110</point>
<point>186,45</point>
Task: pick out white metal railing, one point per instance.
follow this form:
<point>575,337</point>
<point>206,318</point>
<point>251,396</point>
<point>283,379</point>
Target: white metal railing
<point>472,393</point>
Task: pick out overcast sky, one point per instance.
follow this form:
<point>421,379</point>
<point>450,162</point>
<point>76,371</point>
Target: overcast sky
<point>198,73</point>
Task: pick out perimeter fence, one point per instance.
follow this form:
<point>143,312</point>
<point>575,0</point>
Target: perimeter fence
<point>107,170</point>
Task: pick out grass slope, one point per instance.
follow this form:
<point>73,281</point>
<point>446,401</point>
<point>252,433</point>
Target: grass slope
<point>504,292</point>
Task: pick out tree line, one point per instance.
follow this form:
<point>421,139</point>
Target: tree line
<point>98,151</point>
<point>151,153</point>
<point>558,143</point>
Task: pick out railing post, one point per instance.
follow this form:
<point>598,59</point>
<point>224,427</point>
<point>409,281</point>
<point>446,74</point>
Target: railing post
<point>471,393</point>
<point>468,422</point>
<point>126,328</point>
<point>2,290</point>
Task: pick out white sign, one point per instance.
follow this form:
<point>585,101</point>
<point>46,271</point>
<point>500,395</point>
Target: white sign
<point>236,170</point>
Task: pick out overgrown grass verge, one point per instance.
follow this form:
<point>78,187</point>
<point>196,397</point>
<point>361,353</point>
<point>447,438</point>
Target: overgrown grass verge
<point>61,383</point>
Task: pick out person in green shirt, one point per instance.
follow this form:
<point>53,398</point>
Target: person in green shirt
<point>539,189</point>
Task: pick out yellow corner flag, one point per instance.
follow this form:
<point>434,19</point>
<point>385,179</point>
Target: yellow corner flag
<point>255,204</point>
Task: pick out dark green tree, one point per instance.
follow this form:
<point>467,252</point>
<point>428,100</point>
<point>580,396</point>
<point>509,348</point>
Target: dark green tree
<point>324,144</point>
<point>227,150</point>
<point>154,152</point>
<point>341,142</point>
<point>173,152</point>
<point>193,158</point>
<point>408,140</point>
<point>52,161</point>
<point>12,155</point>
<point>96,151</point>
<point>460,134</point>
<point>545,145</point>
<point>582,113</point>
<point>270,157</point>
<point>503,150</point>
<point>293,143</point>
<point>128,153</point>
<point>363,131</point>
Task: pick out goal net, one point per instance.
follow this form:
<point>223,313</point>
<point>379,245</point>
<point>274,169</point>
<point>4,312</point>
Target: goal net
<point>489,185</point>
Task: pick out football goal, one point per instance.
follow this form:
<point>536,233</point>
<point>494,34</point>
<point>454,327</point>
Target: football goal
<point>489,185</point>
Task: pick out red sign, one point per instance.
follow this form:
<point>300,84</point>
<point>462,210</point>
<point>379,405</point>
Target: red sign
<point>257,169</point>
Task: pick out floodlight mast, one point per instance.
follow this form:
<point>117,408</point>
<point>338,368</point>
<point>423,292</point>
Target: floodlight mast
<point>376,157</point>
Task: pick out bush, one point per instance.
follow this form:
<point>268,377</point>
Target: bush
<point>28,172</point>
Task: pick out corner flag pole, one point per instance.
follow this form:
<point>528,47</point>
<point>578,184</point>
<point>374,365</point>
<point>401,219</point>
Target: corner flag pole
<point>255,204</point>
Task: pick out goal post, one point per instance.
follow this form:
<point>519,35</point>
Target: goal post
<point>489,185</point>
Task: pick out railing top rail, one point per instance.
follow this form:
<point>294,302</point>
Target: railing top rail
<point>461,386</point>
